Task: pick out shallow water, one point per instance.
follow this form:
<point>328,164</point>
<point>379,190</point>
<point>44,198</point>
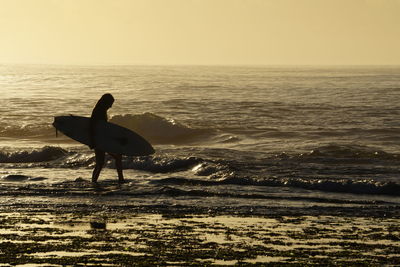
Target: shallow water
<point>239,138</point>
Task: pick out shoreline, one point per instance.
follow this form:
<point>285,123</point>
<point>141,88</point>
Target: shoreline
<point>370,211</point>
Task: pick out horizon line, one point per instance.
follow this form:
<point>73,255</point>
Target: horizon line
<point>192,65</point>
<point>196,65</point>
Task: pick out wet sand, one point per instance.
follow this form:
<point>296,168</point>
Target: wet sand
<point>54,237</point>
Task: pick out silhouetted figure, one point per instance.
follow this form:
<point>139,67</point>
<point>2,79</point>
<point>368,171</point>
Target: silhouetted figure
<point>99,113</point>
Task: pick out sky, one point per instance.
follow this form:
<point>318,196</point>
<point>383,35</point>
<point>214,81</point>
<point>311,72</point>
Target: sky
<point>200,32</point>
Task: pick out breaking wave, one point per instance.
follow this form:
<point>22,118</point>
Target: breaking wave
<point>47,153</point>
<point>156,129</point>
<point>315,171</point>
<point>161,164</point>
<point>160,130</point>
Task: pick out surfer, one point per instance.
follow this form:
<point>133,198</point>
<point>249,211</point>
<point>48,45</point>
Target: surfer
<point>99,113</point>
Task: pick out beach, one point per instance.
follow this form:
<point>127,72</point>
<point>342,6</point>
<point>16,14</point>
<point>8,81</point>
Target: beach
<point>120,236</point>
<point>253,166</point>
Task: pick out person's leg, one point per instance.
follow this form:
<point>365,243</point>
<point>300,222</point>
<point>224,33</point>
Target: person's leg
<point>100,155</point>
<point>118,165</point>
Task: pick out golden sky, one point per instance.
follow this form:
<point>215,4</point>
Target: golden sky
<point>267,32</point>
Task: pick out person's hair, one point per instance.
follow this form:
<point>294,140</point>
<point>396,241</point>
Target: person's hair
<point>105,100</point>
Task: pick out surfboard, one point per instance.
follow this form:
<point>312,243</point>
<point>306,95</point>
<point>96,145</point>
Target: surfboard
<point>109,137</point>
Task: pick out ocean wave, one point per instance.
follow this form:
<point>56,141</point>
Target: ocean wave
<point>368,187</point>
<point>56,157</point>
<point>47,153</point>
<point>175,192</point>
<point>160,164</point>
<point>156,129</point>
<point>159,130</point>
<point>84,188</point>
<point>334,152</point>
<point>39,130</point>
<point>213,170</point>
<point>369,133</point>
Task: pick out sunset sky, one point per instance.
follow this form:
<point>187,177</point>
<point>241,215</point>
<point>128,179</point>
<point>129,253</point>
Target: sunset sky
<point>266,32</point>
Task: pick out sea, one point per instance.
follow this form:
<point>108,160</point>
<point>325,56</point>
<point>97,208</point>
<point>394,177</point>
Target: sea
<point>234,139</point>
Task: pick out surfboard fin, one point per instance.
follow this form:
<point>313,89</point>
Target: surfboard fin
<point>56,132</point>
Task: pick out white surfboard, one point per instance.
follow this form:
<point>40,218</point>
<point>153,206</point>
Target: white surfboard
<point>109,137</point>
